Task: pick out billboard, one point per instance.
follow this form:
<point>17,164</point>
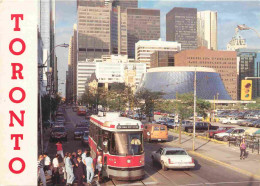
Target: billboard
<point>246,90</point>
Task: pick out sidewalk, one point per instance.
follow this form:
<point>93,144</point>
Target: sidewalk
<point>220,154</point>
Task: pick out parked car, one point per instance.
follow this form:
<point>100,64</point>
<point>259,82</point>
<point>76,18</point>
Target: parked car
<point>79,131</point>
<point>58,133</point>
<point>230,134</point>
<point>247,122</point>
<point>200,127</point>
<point>232,121</point>
<point>155,132</point>
<point>84,139</point>
<point>171,124</point>
<point>219,130</point>
<point>173,158</point>
<point>162,120</point>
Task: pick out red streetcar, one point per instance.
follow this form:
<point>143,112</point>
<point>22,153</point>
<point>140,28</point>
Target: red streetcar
<point>121,140</point>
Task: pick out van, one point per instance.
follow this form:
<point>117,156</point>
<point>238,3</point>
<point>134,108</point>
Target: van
<point>155,132</point>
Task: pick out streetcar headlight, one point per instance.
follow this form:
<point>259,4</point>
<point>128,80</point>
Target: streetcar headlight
<point>128,161</point>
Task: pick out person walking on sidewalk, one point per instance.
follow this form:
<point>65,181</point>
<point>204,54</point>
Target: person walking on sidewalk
<point>242,149</point>
<point>88,161</point>
<point>56,174</point>
<point>99,164</point>
<point>40,170</point>
<point>64,168</point>
<point>59,149</point>
<point>47,162</point>
<point>69,169</point>
<point>80,171</point>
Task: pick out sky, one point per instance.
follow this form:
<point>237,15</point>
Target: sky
<point>230,14</point>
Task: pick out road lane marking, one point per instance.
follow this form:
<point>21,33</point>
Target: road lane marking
<point>245,172</point>
<point>220,183</point>
<point>150,176</point>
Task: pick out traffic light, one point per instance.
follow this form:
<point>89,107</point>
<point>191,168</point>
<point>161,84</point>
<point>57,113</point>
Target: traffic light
<point>246,90</point>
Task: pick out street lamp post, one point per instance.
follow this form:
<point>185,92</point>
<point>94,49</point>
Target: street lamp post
<point>194,113</point>
<point>40,91</point>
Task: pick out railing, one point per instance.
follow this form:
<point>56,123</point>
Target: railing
<point>252,142</point>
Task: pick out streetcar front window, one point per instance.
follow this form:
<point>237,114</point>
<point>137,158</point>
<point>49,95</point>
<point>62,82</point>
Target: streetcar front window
<point>127,144</point>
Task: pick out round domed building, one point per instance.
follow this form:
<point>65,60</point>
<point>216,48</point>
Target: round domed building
<point>172,80</point>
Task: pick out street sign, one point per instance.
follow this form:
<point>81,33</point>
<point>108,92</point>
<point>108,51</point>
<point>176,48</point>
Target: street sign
<point>246,90</point>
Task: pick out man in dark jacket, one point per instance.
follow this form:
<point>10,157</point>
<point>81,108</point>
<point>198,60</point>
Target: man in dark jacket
<point>80,171</point>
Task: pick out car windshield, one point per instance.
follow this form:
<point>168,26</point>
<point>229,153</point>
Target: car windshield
<point>229,131</point>
<point>175,152</point>
<point>127,143</point>
<point>59,129</point>
<point>81,129</point>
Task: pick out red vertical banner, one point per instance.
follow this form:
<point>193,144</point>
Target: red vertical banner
<point>18,92</point>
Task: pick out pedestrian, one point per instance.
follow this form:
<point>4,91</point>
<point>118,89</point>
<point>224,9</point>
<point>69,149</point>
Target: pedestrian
<point>242,149</point>
<point>80,171</point>
<point>47,162</point>
<point>64,168</point>
<point>88,161</point>
<point>84,155</point>
<point>59,149</point>
<point>69,170</point>
<point>41,174</point>
<point>99,164</point>
<point>75,163</point>
<point>55,174</point>
<point>79,153</point>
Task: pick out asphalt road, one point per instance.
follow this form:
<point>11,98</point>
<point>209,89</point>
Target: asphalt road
<point>205,172</point>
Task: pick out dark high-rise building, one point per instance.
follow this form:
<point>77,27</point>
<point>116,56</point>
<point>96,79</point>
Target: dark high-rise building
<point>181,26</point>
<point>126,3</point>
<point>138,24</point>
<point>249,66</point>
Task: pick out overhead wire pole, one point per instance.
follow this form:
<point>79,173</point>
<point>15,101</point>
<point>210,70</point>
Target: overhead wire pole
<point>194,113</point>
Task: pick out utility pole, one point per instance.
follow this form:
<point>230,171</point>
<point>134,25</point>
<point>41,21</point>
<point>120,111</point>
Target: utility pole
<point>194,114</point>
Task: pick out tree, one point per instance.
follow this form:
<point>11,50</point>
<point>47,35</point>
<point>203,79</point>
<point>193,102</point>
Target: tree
<point>145,100</point>
<point>184,106</point>
<point>49,104</point>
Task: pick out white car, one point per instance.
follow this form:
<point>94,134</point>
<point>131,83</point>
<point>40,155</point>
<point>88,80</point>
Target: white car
<point>173,158</point>
<point>230,134</point>
<point>232,121</point>
<point>162,120</point>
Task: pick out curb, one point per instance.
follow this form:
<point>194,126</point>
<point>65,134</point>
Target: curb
<point>200,137</point>
<point>242,171</point>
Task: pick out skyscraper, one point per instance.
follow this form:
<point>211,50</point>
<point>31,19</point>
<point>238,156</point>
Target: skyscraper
<point>94,31</point>
<point>137,24</point>
<point>181,26</point>
<point>47,30</point>
<point>126,3</point>
<point>207,29</point>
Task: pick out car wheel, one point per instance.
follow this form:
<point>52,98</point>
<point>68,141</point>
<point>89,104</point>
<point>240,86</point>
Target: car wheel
<point>225,138</point>
<point>164,168</point>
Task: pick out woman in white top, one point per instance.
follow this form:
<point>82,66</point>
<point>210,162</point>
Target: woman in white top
<point>99,163</point>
